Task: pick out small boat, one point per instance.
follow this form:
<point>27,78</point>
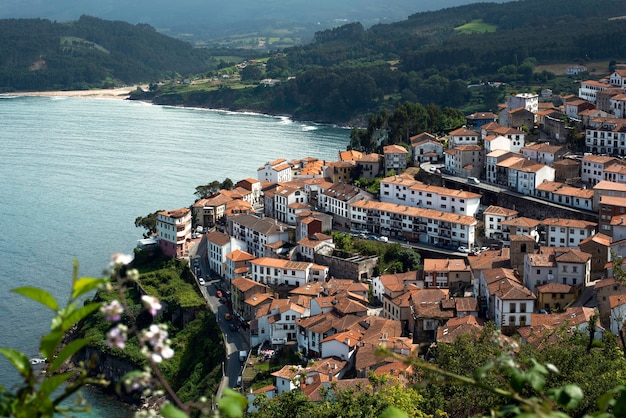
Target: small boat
<point>36,360</point>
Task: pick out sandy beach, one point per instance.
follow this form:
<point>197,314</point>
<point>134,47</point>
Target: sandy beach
<point>115,93</point>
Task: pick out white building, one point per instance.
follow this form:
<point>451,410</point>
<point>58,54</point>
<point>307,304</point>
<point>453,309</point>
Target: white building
<point>543,153</point>
<point>593,166</point>
<point>416,224</point>
<point>567,232</point>
<point>174,231</point>
<point>606,136</point>
<point>404,190</point>
<point>493,217</point>
<point>524,176</point>
<point>278,272</point>
<point>512,303</point>
<point>218,246</point>
<point>284,197</point>
<point>553,265</point>
<point>255,232</point>
<point>275,171</point>
<point>590,88</point>
<point>463,136</point>
<point>561,193</point>
<point>528,101</point>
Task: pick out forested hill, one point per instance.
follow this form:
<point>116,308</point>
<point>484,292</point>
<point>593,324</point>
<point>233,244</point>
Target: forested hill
<point>431,57</point>
<point>37,54</point>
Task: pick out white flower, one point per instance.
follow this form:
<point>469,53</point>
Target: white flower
<point>119,259</point>
<point>152,304</point>
<point>112,311</point>
<point>116,337</point>
<point>156,343</point>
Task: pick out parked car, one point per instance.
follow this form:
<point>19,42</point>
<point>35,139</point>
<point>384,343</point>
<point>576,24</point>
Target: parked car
<point>382,239</point>
<point>473,180</point>
<point>463,249</point>
<point>202,282</point>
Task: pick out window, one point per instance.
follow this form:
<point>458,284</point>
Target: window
<point>512,307</point>
<point>522,307</point>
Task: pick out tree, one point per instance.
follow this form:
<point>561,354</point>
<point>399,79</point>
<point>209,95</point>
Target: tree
<point>227,184</point>
<point>207,190</point>
<point>147,222</point>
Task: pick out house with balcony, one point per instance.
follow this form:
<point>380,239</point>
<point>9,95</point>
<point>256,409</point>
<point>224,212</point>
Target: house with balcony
<point>523,176</point>
<point>521,225</point>
<point>208,212</point>
<point>277,272</point>
<point>604,136</point>
<point>453,274</point>
<point>308,246</point>
<point>590,88</point>
<point>395,158</point>
<point>465,160</point>
<point>415,224</point>
<point>254,187</point>
<point>255,232</point>
<point>173,229</point>
<point>335,201</point>
<point>276,322</point>
<point>495,174</point>
<point>340,171</point>
<point>404,190</point>
<point>493,217</point>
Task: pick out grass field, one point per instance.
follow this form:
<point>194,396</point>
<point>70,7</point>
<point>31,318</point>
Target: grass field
<point>476,26</point>
<point>595,67</point>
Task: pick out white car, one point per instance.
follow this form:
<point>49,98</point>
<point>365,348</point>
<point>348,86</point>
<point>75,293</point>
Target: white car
<point>463,249</point>
<point>202,282</point>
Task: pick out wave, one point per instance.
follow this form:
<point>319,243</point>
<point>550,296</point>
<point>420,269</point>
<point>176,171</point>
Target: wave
<point>8,96</point>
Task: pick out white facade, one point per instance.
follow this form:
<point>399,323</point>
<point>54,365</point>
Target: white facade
<point>426,225</point>
<point>593,166</point>
<point>565,268</point>
<point>463,136</point>
<point>255,232</point>
<point>567,232</point>
<point>513,312</point>
<point>493,217</point>
<point>528,101</point>
<point>275,172</point>
<point>606,136</point>
<point>285,196</point>
<point>403,190</point>
<point>174,230</point>
<point>525,180</point>
<point>275,272</point>
<point>588,89</point>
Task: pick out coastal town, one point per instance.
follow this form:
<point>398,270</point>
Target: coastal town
<point>513,225</point>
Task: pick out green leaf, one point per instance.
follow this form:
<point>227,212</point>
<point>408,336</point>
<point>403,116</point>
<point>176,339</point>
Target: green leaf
<point>85,285</point>
<point>393,412</point>
<point>536,380</point>
<point>38,295</point>
<point>17,359</point>
<point>69,350</point>
<point>49,343</point>
<point>76,314</point>
<point>51,383</point>
<point>568,396</point>
<point>170,411</point>
<point>619,408</point>
<point>232,404</point>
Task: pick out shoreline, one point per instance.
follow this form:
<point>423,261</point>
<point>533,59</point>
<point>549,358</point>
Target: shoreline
<point>120,93</point>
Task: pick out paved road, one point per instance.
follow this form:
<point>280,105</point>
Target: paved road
<point>233,340</point>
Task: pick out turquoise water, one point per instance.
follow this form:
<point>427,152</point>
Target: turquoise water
<point>75,173</point>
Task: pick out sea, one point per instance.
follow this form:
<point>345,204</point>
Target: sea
<point>76,172</point>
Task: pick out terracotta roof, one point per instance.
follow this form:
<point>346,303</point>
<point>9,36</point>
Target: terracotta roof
<point>218,238</point>
<point>395,149</point>
<point>243,284</point>
<point>258,299</point>
<point>508,289</point>
<point>463,132</point>
<point>555,288</point>
<point>415,212</point>
<point>433,264</point>
<point>598,159</point>
<point>455,327</point>
<point>613,200</point>
<point>610,185</point>
<point>521,222</point>
<point>569,223</point>
<point>573,255</point>
<point>598,238</point>
<point>239,255</point>
<point>499,211</point>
